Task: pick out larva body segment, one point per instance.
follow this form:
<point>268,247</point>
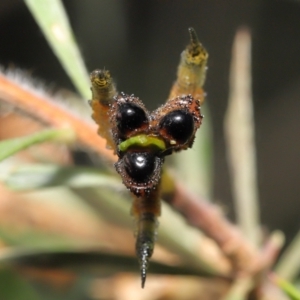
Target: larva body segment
<point>103,92</point>
<point>191,72</point>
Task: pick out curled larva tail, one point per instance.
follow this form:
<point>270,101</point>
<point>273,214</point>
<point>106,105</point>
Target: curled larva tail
<point>103,92</point>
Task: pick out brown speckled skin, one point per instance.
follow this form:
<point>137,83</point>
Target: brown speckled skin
<point>152,128</point>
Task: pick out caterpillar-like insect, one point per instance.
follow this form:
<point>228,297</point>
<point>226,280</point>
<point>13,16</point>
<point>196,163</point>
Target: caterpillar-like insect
<point>141,139</point>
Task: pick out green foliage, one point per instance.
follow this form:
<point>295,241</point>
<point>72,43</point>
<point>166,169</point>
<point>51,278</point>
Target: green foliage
<point>14,286</point>
<point>53,21</point>
<point>288,288</point>
<point>10,147</point>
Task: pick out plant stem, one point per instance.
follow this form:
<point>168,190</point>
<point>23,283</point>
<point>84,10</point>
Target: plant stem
<point>239,132</point>
<point>50,112</point>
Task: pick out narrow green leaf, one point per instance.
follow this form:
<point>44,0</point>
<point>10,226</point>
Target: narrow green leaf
<point>12,146</point>
<point>37,176</point>
<point>287,287</point>
<point>41,240</point>
<point>53,21</point>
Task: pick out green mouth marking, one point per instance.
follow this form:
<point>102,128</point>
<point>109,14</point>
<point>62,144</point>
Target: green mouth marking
<point>143,141</point>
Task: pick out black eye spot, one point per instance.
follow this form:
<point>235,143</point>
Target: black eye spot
<point>130,117</point>
<point>139,166</point>
<point>179,124</point>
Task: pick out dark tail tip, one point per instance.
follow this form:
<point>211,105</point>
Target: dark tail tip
<point>193,36</point>
<point>145,242</point>
<point>144,252</point>
<point>143,276</point>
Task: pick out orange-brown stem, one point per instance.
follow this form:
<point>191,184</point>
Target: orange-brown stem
<point>53,114</point>
<point>208,218</point>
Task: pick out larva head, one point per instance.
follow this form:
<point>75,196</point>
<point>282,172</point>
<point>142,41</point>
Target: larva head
<point>140,171</point>
<point>100,78</point>
<point>177,122</point>
<point>128,117</point>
